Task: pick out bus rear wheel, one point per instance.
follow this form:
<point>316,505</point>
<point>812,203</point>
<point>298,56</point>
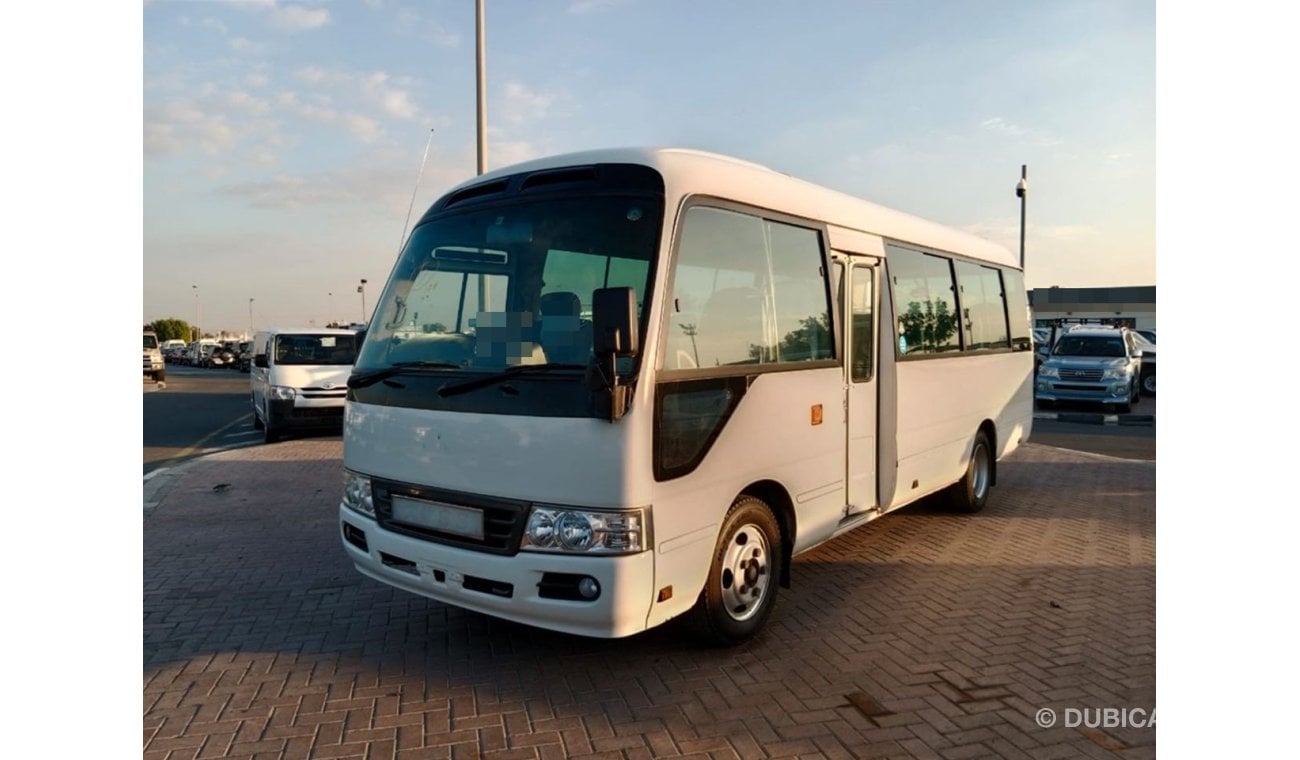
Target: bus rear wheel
<point>971,493</point>
<point>741,586</point>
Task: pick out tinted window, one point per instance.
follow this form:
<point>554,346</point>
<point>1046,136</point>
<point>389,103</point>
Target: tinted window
<point>983,306</point>
<point>1017,309</point>
<point>861,301</point>
<point>746,291</point>
<point>1089,345</point>
<point>924,301</point>
<point>315,349</point>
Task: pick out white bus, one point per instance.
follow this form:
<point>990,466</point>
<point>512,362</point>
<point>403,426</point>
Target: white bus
<point>606,389</point>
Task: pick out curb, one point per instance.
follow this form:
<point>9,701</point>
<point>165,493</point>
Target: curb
<point>1096,418</point>
<point>160,481</point>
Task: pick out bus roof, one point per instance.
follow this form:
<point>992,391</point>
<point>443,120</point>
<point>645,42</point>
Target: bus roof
<point>687,171</point>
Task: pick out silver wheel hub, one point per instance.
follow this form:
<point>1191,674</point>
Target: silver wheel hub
<point>745,576</point>
<point>980,472</point>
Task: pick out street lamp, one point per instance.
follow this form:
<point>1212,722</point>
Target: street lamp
<point>1022,192</point>
<point>331,305</point>
<point>198,316</point>
<point>362,290</point>
<point>250,319</point>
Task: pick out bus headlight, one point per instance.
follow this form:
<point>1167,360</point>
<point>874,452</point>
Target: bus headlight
<point>356,493</point>
<point>282,393</point>
<point>555,529</point>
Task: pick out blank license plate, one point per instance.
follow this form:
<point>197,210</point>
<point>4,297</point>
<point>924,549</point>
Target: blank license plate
<point>433,515</point>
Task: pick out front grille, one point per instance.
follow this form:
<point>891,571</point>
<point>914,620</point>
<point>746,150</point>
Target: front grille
<point>1089,375</point>
<point>322,393</point>
<point>318,411</point>
<point>503,519</point>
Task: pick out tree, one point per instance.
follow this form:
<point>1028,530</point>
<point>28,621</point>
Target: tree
<point>170,329</point>
<point>928,331</point>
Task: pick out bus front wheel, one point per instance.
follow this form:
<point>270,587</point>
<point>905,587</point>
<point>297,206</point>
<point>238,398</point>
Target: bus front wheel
<point>971,493</point>
<point>741,587</point>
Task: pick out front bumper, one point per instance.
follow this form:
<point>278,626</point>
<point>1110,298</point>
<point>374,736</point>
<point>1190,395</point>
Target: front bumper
<point>505,586</point>
<point>307,413</point>
<point>1107,392</point>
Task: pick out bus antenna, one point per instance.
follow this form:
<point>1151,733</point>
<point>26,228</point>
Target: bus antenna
<point>414,192</point>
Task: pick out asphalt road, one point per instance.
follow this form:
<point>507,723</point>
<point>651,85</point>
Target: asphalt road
<point>199,411</point>
<point>194,412</point>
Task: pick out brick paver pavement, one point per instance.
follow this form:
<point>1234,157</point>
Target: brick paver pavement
<point>924,634</point>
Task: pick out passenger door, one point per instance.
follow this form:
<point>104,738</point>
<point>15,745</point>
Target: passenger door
<point>859,287</point>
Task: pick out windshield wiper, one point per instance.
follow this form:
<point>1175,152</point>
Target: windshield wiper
<point>483,382</point>
<point>370,378</point>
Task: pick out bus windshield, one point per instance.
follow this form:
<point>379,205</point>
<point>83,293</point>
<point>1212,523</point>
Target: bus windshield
<point>315,349</point>
<point>1089,345</point>
<point>487,289</point>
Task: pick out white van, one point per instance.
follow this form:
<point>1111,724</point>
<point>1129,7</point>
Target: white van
<point>299,378</point>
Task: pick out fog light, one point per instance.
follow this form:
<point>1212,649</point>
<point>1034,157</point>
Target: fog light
<point>589,588</point>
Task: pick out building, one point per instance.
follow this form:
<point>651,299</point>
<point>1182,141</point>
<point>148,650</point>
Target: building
<point>1132,306</point>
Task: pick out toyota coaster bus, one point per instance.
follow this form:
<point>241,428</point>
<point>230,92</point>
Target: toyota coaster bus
<point>606,389</point>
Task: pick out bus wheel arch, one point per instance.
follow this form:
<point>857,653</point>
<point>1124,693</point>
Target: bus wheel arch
<point>778,500</point>
<point>740,589</point>
<point>971,492</point>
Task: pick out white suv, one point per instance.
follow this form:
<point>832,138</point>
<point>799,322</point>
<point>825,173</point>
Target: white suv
<point>1092,363</point>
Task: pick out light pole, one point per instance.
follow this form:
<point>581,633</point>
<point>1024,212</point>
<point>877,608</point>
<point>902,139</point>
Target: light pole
<point>481,81</point>
<point>362,290</point>
<point>331,305</point>
<point>250,319</point>
<point>1022,192</point>
<point>198,313</point>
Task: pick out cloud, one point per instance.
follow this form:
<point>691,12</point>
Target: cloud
<point>391,100</point>
<point>506,153</point>
<point>364,128</point>
<point>594,6</point>
<point>409,22</point>
<point>1005,128</point>
<point>379,180</point>
<point>1007,232</point>
<point>297,17</point>
<point>174,128</point>
<point>523,105</point>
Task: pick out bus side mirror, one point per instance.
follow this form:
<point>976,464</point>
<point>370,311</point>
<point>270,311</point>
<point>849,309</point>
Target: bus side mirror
<point>614,322</point>
<point>614,334</point>
<point>259,360</point>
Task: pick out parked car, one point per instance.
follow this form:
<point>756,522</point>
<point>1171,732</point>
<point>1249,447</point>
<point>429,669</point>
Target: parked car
<point>221,356</point>
<point>245,355</point>
<point>1092,363</point>
<point>1150,335</point>
<point>199,351</point>
<point>153,358</point>
<point>1147,378</point>
<point>299,378</point>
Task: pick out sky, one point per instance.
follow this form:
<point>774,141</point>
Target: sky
<point>284,142</point>
<point>281,145</point>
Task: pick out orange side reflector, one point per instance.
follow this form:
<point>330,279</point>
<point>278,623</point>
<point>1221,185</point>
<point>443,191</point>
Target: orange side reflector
<point>665,593</point>
<point>817,414</point>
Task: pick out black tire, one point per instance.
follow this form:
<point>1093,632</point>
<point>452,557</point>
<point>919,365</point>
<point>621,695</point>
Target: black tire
<point>971,493</point>
<point>270,433</point>
<point>257,421</point>
<point>1149,384</point>
<point>749,546</point>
